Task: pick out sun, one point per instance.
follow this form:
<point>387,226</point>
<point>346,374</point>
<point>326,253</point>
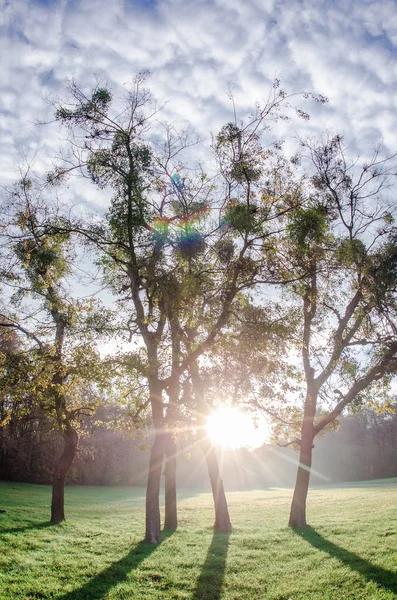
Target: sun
<point>231,428</point>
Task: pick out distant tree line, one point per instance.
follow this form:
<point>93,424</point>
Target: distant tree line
<point>364,447</point>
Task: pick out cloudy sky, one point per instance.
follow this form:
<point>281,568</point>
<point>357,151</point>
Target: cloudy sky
<point>195,51</point>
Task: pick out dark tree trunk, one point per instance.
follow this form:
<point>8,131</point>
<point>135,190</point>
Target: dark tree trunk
<point>222,519</point>
<point>3,456</point>
<point>298,506</point>
<point>172,414</point>
<point>70,442</point>
<point>171,515</point>
<point>153,526</point>
<point>297,516</point>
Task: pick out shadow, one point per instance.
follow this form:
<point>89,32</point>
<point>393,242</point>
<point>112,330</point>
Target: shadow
<point>42,525</point>
<point>383,577</point>
<point>98,587</point>
<point>209,584</point>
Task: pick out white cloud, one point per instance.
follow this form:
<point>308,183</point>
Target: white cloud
<point>195,52</point>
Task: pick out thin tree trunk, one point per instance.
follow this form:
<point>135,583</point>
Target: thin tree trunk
<point>297,516</point>
<point>171,510</point>
<point>222,519</point>
<point>153,525</point>
<point>70,442</point>
<point>172,414</point>
<point>171,515</point>
<point>298,506</point>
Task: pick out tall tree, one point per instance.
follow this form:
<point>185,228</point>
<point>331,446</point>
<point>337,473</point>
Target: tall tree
<point>343,244</point>
<point>56,366</point>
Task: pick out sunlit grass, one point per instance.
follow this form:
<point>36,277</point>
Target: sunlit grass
<point>348,553</point>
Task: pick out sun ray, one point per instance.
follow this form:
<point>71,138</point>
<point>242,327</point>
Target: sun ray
<point>265,467</point>
<point>295,461</point>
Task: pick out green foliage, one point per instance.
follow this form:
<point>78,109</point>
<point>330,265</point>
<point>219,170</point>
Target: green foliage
<point>241,217</point>
<point>229,134</point>
<point>45,261</point>
<point>241,153</point>
<point>242,171</point>
<point>225,249</point>
<point>87,109</point>
<point>382,270</point>
<point>351,253</point>
<point>127,170</point>
<point>124,165</point>
<point>55,369</point>
<point>127,216</point>
<point>380,396</point>
<point>308,228</point>
<point>101,98</point>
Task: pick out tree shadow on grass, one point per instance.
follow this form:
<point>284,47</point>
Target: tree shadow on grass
<point>383,577</point>
<point>99,586</point>
<point>209,584</point>
<point>42,525</point>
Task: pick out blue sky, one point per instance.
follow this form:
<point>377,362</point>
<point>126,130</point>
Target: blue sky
<point>196,50</point>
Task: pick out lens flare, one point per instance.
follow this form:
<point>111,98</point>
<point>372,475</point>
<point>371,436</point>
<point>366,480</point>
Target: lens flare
<point>180,229</point>
<point>231,428</point>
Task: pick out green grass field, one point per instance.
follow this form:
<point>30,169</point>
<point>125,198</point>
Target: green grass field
<point>349,552</point>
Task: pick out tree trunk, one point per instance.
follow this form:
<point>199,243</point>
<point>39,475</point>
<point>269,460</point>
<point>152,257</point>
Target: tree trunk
<point>153,526</point>
<point>172,414</point>
<point>70,442</point>
<point>298,506</point>
<point>171,516</point>
<point>222,519</point>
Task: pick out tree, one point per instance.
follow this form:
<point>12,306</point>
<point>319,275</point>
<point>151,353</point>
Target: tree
<point>211,283</point>
<point>343,244</point>
<point>56,366</point>
<point>164,242</point>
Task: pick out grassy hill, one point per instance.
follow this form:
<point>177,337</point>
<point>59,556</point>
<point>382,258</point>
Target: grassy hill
<point>349,552</point>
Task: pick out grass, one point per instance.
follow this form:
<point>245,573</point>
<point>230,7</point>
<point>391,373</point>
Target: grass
<point>348,553</point>
<point>389,481</point>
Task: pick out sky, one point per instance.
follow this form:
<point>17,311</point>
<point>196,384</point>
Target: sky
<point>196,51</point>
